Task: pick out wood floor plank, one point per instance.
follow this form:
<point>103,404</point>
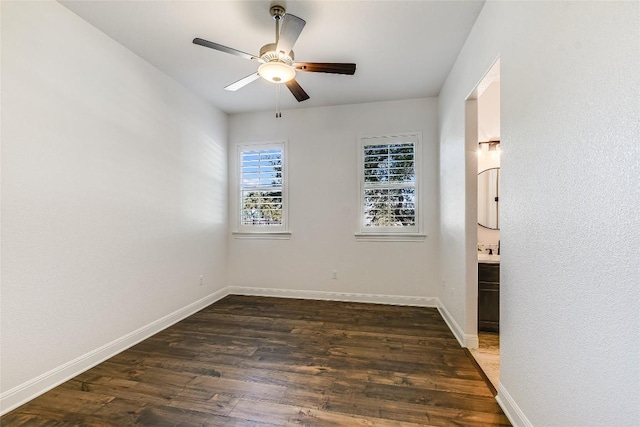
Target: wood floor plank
<point>286,415</point>
<point>257,361</point>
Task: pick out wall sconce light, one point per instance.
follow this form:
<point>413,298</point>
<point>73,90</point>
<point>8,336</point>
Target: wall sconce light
<point>490,146</point>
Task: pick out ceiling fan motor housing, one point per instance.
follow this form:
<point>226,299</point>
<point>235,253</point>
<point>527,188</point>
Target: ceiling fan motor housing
<point>277,68</point>
<point>268,54</point>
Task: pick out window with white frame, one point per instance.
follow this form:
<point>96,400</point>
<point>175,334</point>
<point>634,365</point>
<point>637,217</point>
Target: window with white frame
<point>262,195</point>
<point>389,196</point>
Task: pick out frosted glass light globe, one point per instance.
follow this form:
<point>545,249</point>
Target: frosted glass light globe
<point>276,72</point>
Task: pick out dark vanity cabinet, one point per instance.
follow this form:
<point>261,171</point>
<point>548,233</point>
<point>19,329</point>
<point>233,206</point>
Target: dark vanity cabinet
<point>488,297</point>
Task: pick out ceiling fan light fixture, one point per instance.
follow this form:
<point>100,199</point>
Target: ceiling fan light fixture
<point>276,72</point>
<point>277,58</point>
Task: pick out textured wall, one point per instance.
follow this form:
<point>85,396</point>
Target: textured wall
<point>114,188</point>
<point>570,298</point>
<point>323,166</point>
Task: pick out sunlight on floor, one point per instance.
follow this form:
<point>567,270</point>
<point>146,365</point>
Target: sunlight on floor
<point>488,355</point>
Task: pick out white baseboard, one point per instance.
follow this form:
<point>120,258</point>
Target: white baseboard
<point>335,296</point>
<point>21,394</point>
<point>469,341</point>
<point>511,408</point>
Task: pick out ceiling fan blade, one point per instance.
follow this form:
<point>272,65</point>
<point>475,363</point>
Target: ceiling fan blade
<point>296,90</point>
<point>221,48</point>
<point>326,67</point>
<point>243,82</point>
<point>291,28</point>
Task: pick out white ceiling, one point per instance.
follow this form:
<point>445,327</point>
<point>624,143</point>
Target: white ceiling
<point>403,49</point>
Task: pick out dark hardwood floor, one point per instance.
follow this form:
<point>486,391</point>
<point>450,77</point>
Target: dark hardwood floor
<point>254,361</point>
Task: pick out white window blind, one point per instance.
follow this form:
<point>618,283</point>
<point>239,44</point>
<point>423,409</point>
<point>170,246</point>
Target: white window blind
<point>389,191</point>
<point>261,186</point>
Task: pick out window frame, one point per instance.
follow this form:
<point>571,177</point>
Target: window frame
<point>390,233</point>
<point>261,231</point>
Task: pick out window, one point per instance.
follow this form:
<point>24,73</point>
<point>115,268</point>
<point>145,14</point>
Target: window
<point>389,197</point>
<point>262,195</point>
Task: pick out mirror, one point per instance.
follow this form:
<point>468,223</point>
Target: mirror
<point>488,198</point>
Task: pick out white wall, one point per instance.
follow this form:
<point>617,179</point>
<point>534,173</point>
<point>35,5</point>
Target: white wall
<point>489,113</point>
<point>114,194</point>
<point>323,165</point>
<point>570,71</point>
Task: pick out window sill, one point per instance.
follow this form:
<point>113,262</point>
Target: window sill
<point>390,237</point>
<point>265,235</point>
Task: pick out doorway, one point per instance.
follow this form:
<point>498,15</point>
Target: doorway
<point>483,132</point>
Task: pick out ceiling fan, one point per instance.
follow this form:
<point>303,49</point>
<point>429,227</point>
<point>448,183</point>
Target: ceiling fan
<point>277,59</point>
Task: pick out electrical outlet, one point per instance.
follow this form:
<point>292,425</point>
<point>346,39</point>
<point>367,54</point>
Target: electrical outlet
<point>201,280</point>
<point>334,274</point>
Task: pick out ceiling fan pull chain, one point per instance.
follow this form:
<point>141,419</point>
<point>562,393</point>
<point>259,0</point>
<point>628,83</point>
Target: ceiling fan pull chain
<point>278,112</point>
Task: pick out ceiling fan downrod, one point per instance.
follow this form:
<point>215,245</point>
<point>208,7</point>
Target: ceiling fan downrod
<point>277,12</point>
